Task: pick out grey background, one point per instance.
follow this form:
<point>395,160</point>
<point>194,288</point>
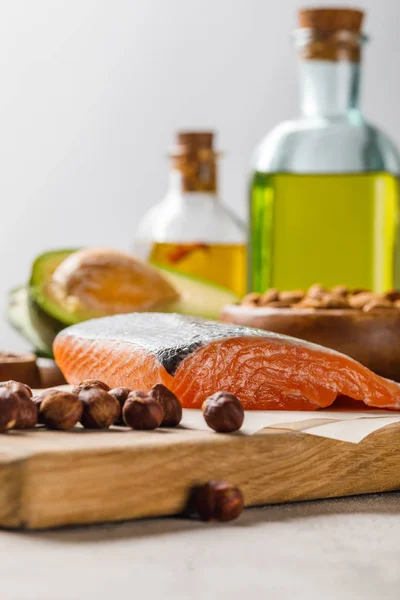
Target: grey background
<point>93,90</point>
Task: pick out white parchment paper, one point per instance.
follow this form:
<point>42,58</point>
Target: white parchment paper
<point>351,425</point>
<point>347,425</point>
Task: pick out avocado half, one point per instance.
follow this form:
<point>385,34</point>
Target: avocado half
<point>42,271</point>
<point>39,318</point>
<point>34,324</point>
<point>196,296</point>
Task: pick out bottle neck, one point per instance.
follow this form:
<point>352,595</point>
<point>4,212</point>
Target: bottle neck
<point>194,175</point>
<point>329,69</point>
<point>329,88</point>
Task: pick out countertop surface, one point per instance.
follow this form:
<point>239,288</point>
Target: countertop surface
<point>331,549</point>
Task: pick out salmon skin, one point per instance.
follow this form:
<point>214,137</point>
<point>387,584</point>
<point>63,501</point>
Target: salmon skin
<point>195,358</point>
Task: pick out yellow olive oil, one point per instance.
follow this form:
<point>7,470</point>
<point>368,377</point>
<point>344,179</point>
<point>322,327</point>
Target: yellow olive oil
<point>222,264</point>
<point>330,229</point>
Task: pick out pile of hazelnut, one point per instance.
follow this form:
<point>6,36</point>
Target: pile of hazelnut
<point>319,297</point>
<point>96,406</point>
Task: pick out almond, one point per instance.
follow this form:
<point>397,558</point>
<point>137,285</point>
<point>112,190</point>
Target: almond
<point>251,299</point>
<point>279,304</point>
<point>378,304</point>
<point>340,290</point>
<point>292,297</point>
<point>361,299</point>
<point>316,291</point>
<point>271,295</point>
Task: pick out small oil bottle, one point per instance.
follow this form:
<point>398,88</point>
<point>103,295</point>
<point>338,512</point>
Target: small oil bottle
<point>324,193</point>
<point>190,231</point>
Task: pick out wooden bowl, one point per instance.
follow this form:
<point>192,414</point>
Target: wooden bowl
<point>19,367</point>
<point>372,338</point>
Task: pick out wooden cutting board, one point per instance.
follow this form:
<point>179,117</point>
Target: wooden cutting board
<point>50,478</point>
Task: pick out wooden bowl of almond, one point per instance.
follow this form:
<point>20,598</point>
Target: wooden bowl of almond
<point>360,323</point>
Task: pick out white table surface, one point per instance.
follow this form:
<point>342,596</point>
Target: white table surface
<point>330,550</point>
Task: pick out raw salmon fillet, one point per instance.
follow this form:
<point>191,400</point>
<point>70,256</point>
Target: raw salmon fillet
<point>196,358</point>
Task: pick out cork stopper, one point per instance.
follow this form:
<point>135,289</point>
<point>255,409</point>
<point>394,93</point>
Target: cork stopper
<point>333,33</point>
<point>196,159</point>
<point>193,141</point>
<point>331,19</point>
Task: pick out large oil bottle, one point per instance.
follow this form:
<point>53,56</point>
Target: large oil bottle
<point>324,191</point>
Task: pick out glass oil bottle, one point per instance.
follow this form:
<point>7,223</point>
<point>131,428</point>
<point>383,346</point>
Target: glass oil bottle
<point>324,191</point>
<point>190,231</point>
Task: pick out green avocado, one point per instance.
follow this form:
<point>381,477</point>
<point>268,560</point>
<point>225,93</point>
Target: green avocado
<point>197,297</point>
<point>39,318</point>
<point>45,265</point>
<point>42,271</point>
<point>32,322</point>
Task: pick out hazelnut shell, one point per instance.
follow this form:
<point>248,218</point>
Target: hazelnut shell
<point>223,412</point>
<point>170,403</point>
<point>86,384</point>
<point>23,390</point>
<point>100,409</point>
<point>9,407</point>
<point>28,414</point>
<point>142,412</point>
<point>219,500</point>
<point>121,395</point>
<point>60,410</point>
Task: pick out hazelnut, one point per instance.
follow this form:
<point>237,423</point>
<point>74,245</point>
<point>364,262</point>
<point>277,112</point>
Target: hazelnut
<point>86,384</point>
<point>218,500</point>
<point>223,412</point>
<point>59,410</point>
<point>121,395</point>
<point>27,411</point>
<point>23,390</point>
<point>139,393</point>
<point>142,411</point>
<point>9,407</point>
<point>28,414</point>
<point>170,403</point>
<point>38,398</point>
<point>100,409</point>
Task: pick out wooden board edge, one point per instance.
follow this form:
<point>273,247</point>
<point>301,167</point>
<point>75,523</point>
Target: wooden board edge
<point>12,501</point>
<point>271,467</point>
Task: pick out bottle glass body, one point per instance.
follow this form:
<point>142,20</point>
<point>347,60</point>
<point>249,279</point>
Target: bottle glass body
<point>192,232</point>
<point>324,191</point>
